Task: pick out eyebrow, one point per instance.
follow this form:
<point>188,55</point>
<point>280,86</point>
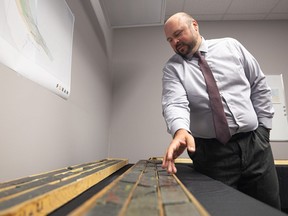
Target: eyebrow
<point>175,33</point>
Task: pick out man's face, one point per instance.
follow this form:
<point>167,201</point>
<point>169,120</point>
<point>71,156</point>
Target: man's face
<point>182,37</point>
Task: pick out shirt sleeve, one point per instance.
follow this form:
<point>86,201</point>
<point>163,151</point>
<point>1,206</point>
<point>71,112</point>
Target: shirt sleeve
<point>260,92</point>
<point>175,105</point>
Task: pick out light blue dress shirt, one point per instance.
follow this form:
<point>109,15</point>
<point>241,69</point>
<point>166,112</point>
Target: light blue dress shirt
<point>242,85</point>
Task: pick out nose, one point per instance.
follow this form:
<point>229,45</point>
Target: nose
<point>174,42</point>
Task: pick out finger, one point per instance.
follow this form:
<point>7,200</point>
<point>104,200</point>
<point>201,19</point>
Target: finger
<point>170,167</point>
<point>174,170</point>
<point>164,162</point>
<point>190,144</point>
<point>172,149</point>
<point>170,152</point>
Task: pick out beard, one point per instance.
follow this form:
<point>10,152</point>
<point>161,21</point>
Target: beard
<point>185,49</point>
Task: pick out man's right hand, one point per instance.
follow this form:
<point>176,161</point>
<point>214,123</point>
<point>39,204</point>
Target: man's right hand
<point>182,140</point>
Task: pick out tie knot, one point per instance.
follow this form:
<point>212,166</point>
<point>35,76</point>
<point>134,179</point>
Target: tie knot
<point>198,54</point>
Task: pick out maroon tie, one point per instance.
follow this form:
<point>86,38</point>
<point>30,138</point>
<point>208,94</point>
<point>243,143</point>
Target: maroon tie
<point>219,119</point>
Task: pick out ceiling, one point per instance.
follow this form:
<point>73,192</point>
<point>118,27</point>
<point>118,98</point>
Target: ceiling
<point>135,13</point>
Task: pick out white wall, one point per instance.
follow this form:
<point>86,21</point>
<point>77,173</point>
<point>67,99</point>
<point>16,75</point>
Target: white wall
<point>39,131</point>
<point>138,129</point>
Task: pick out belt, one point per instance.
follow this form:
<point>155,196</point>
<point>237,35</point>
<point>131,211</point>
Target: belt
<point>236,136</point>
<point>241,135</point>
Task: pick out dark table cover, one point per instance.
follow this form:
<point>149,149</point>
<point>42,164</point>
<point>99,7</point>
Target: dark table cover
<point>282,171</point>
<point>218,199</point>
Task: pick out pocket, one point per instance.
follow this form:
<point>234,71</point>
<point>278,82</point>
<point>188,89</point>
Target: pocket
<point>264,133</point>
<point>263,136</point>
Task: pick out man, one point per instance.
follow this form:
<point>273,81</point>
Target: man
<point>245,160</point>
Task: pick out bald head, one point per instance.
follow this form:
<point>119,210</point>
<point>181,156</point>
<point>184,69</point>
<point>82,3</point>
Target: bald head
<point>180,17</point>
<point>182,33</point>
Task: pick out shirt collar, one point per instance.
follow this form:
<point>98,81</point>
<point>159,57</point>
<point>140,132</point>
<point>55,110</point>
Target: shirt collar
<point>203,46</point>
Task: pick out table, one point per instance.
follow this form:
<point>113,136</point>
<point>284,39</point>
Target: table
<point>216,197</point>
<point>220,199</point>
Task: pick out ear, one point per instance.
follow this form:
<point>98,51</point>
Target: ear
<point>195,25</point>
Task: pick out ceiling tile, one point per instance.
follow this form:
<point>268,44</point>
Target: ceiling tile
<point>208,17</point>
<point>281,7</point>
<point>125,13</point>
<point>206,6</point>
<point>244,16</point>
<point>174,6</point>
<point>248,6</point>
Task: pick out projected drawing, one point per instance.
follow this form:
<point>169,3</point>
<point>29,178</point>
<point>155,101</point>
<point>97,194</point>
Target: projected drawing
<point>36,41</point>
<point>25,11</point>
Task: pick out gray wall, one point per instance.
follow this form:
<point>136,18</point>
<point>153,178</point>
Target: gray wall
<point>138,129</point>
<point>39,131</point>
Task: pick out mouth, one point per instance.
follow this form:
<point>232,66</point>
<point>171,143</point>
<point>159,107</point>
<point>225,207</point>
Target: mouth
<point>180,48</point>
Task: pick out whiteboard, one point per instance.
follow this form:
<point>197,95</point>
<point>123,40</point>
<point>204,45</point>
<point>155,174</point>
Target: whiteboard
<point>36,41</point>
<point>279,130</point>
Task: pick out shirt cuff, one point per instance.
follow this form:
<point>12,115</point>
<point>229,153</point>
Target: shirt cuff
<point>266,122</point>
<point>179,124</point>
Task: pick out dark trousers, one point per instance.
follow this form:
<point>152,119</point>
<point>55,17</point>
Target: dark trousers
<point>245,163</point>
